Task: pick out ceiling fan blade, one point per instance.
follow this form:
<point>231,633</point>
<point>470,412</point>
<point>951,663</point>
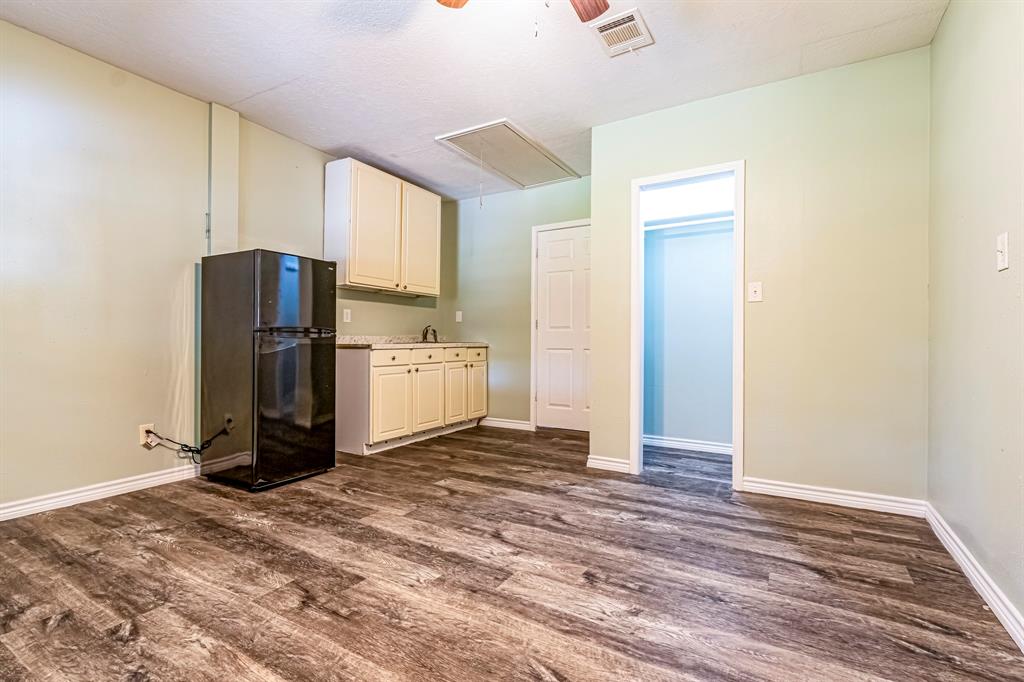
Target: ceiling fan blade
<point>588,10</point>
<point>454,4</point>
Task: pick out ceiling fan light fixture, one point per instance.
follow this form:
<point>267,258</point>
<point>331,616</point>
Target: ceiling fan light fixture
<point>588,10</point>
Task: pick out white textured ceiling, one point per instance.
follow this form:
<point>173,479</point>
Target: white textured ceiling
<point>379,79</point>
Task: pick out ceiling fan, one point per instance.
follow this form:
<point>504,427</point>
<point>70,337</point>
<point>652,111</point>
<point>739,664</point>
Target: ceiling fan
<point>587,10</point>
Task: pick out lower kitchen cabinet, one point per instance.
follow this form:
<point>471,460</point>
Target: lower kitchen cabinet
<point>455,384</point>
<point>391,398</point>
<point>392,395</point>
<point>476,385</point>
<point>427,397</point>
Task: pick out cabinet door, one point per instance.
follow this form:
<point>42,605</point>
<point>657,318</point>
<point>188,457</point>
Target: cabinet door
<point>427,396</point>
<point>375,237</point>
<point>421,241</point>
<point>477,390</point>
<point>455,409</point>
<point>390,402</point>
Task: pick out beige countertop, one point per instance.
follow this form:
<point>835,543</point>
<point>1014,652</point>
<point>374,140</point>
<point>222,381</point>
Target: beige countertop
<point>390,342</point>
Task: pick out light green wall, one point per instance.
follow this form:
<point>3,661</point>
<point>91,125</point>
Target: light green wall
<point>976,440</point>
<point>104,182</point>
<point>836,229</point>
<point>491,284</point>
<point>281,207</point>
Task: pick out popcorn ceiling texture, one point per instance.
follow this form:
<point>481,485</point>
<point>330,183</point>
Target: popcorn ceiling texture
<point>379,81</point>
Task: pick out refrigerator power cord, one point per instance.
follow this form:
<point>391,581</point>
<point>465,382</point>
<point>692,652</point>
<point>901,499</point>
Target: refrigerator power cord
<point>186,451</point>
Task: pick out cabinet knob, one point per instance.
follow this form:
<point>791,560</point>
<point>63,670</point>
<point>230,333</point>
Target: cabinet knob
<point>471,364</point>
<point>409,370</point>
<point>405,286</point>
<point>429,356</point>
<point>396,285</point>
<point>393,358</point>
<point>417,369</point>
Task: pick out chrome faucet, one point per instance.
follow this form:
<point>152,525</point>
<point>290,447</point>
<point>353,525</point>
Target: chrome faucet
<point>428,330</point>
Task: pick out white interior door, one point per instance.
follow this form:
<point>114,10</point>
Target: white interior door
<point>563,328</point>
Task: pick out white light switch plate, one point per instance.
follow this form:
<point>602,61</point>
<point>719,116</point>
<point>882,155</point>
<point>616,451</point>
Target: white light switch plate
<point>458,316</point>
<point>346,315</point>
<point>1003,252</point>
<point>755,293</point>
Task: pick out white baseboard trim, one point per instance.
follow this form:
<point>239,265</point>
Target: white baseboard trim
<point>889,504</point>
<point>687,444</point>
<point>517,424</point>
<point>34,505</point>
<point>1001,606</point>
<point>608,464</point>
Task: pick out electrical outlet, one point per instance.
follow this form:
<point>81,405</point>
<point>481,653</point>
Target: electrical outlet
<point>143,436</point>
<point>458,316</point>
<point>346,315</point>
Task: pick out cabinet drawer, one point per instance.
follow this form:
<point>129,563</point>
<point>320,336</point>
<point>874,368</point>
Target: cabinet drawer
<point>384,358</point>
<point>455,354</point>
<point>422,356</point>
<point>476,354</point>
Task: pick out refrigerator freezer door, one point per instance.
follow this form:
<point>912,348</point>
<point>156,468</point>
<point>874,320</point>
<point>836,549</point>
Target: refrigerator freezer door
<point>295,292</point>
<point>294,406</point>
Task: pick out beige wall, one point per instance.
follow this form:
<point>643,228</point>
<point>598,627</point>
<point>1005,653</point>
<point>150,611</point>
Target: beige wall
<point>104,190</point>
<point>492,283</point>
<point>836,229</point>
<point>976,443</point>
<point>280,192</point>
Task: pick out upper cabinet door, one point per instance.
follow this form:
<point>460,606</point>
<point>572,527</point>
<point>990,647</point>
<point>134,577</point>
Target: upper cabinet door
<point>376,228</point>
<point>421,241</point>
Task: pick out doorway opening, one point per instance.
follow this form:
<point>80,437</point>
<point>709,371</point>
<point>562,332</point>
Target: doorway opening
<point>686,384</point>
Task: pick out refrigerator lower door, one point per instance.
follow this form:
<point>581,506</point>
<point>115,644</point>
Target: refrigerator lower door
<point>294,406</point>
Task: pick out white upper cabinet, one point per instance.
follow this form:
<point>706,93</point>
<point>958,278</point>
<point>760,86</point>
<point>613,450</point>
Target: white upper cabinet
<point>384,233</point>
<point>421,241</point>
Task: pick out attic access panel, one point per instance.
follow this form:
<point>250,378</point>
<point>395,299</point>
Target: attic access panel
<point>507,151</point>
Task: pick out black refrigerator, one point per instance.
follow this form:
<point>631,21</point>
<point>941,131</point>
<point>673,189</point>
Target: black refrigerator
<point>267,348</point>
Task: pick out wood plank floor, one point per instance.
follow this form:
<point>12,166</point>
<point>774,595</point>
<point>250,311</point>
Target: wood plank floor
<point>487,555</point>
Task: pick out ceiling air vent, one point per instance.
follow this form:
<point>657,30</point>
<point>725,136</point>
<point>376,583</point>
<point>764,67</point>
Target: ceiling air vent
<point>623,32</point>
<point>504,149</point>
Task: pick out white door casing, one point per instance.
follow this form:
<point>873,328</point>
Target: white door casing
<point>562,326</point>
